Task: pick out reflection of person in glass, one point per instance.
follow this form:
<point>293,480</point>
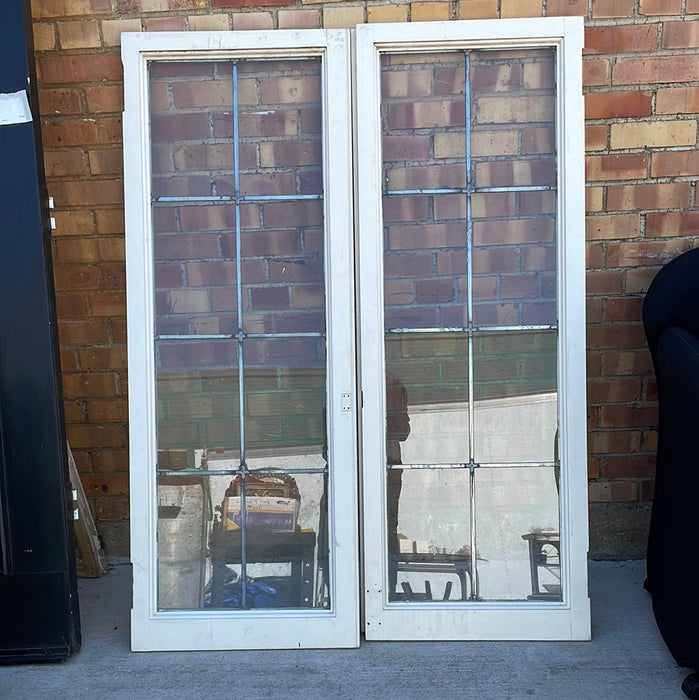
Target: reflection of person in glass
<point>397,431</point>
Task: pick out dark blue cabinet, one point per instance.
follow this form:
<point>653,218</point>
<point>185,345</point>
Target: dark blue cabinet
<point>38,592</point>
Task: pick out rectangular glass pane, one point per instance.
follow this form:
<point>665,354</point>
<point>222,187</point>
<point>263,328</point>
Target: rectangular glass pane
<point>423,113</point>
<point>193,117</point>
<point>514,259</point>
<point>197,396</point>
<point>280,128</point>
<point>194,272</point>
<point>513,107</point>
<point>283,547</point>
<point>201,549</point>
<point>429,534</point>
<point>516,398</point>
<point>283,272</point>
<point>518,533</point>
<point>427,420</point>
<point>184,521</point>
<point>186,101</point>
<point>285,399</point>
<point>425,261</point>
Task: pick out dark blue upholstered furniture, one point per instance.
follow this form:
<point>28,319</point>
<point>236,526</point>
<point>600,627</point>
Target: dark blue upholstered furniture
<point>671,322</point>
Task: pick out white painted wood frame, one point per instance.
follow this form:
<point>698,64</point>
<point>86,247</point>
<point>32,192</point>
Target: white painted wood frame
<point>568,619</point>
<point>260,628</point>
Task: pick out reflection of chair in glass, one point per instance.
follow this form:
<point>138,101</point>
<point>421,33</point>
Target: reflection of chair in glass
<point>545,550</point>
<point>544,555</point>
<point>428,563</point>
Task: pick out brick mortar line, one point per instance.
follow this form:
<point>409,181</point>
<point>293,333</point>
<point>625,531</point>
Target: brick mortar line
<point>637,18</point>
<point>655,53</point>
<point>643,87</point>
<point>635,21</point>
<point>652,118</point>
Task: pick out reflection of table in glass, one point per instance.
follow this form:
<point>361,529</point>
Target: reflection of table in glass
<point>539,543</point>
<point>428,563</point>
<point>265,547</point>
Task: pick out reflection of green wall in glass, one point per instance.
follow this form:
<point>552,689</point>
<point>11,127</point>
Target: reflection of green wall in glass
<point>284,408</point>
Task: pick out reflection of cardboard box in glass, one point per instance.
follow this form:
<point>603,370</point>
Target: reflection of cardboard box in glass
<point>412,546</point>
<point>282,485</point>
<point>270,490</point>
<point>262,512</point>
<point>175,459</point>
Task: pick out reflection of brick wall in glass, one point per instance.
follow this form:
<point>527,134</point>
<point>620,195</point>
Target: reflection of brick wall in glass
<point>237,183</point>
<point>474,161</point>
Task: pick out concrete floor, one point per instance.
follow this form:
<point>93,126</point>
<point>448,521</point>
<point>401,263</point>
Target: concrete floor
<point>626,659</point>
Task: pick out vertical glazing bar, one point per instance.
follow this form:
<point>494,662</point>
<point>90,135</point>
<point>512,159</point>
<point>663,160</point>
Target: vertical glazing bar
<point>469,325</point>
<point>469,253</point>
<point>472,506</point>
<point>239,300</point>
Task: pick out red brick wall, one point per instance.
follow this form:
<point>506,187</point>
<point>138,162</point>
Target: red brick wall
<point>641,76</point>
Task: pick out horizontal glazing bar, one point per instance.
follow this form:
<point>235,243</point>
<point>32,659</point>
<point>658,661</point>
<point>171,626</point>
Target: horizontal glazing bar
<point>205,198</point>
<point>456,465</point>
<point>306,334</point>
<point>279,197</point>
<point>475,329</point>
<point>515,188</point>
<point>514,329</point>
<point>454,329</point>
<point>232,336</point>
<point>472,190</point>
<point>516,465</point>
<point>198,472</point>
<point>241,198</point>
<point>477,465</point>
<point>284,470</point>
<point>239,471</point>
<point>440,190</point>
<point>195,336</point>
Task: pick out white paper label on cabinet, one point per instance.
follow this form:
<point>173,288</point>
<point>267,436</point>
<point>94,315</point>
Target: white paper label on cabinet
<point>14,108</point>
